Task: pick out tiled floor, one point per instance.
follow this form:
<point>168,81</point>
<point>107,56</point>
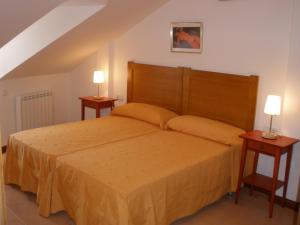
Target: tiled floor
<point>22,210</point>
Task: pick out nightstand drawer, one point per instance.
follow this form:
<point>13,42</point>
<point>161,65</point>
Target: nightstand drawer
<point>263,147</point>
<point>107,104</point>
<point>254,145</point>
<point>90,104</point>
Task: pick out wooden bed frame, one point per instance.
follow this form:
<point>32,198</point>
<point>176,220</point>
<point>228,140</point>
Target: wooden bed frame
<point>225,97</point>
<point>157,85</point>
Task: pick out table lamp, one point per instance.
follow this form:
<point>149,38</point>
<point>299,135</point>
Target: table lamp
<point>272,108</point>
<point>98,79</point>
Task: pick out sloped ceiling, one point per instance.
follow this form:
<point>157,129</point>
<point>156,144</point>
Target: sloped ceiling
<point>17,15</point>
<point>71,49</point>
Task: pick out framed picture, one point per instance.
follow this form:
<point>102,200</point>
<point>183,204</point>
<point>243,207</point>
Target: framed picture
<point>187,37</point>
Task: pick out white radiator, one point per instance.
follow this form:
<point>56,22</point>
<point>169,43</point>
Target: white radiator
<point>34,110</point>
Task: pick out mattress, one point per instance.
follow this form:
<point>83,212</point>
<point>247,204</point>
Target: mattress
<point>31,155</point>
<point>149,180</point>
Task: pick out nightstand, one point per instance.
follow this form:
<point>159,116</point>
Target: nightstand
<point>98,104</point>
<point>254,142</point>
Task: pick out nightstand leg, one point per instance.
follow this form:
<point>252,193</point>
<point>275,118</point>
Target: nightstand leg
<point>275,178</point>
<point>82,111</point>
<point>254,169</point>
<point>287,173</point>
<point>98,112</point>
<point>112,106</point>
<point>241,173</point>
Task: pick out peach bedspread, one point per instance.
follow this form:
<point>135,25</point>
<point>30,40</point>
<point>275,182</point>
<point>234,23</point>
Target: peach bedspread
<point>31,155</point>
<point>149,180</point>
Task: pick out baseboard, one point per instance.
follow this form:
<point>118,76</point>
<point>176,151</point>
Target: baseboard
<point>278,199</point>
<point>4,149</point>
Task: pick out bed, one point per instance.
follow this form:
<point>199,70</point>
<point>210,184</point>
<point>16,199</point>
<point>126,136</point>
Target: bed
<point>153,179</point>
<point>160,177</point>
<point>31,155</point>
<point>221,97</point>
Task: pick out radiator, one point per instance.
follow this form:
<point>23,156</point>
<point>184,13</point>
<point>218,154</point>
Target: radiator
<point>34,110</point>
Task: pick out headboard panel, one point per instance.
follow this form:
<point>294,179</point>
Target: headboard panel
<point>224,97</point>
<point>157,85</point>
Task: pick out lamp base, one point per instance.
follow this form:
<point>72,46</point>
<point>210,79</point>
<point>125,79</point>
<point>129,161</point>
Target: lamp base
<point>269,135</point>
<point>98,97</point>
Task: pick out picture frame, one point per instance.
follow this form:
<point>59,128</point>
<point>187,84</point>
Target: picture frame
<point>187,37</point>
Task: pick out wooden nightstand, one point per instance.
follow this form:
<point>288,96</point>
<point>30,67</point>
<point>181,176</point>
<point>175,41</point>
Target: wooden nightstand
<point>254,142</point>
<point>98,104</point>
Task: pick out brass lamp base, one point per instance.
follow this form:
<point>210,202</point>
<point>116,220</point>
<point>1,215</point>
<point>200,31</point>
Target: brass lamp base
<point>98,97</point>
<point>269,135</point>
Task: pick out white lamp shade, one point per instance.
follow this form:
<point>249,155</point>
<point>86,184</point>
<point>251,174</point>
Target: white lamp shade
<point>98,77</point>
<point>273,105</point>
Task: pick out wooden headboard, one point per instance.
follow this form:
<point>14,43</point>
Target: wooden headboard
<point>157,85</point>
<point>225,97</point>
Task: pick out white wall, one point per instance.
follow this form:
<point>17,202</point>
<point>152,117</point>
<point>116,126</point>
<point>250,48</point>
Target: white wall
<point>58,83</point>
<point>81,83</point>
<point>291,110</point>
<point>243,37</point>
<point>66,88</point>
